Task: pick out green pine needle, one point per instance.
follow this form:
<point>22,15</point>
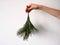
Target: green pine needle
<point>27,29</point>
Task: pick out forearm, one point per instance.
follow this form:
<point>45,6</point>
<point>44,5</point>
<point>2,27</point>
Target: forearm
<point>51,11</point>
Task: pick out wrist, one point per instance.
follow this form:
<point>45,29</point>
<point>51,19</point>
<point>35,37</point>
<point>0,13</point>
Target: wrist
<point>40,7</point>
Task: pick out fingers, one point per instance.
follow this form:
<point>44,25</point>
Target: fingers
<point>28,8</point>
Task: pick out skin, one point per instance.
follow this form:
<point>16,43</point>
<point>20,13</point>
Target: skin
<point>51,11</point>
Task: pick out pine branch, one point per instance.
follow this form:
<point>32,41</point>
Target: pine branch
<point>27,29</point>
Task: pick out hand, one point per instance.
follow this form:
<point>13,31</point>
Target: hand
<point>31,7</point>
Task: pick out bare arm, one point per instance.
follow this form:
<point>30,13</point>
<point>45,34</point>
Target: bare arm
<point>51,11</point>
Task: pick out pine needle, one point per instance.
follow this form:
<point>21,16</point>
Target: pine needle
<point>27,29</point>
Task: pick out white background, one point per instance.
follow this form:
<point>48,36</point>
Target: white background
<point>13,17</point>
